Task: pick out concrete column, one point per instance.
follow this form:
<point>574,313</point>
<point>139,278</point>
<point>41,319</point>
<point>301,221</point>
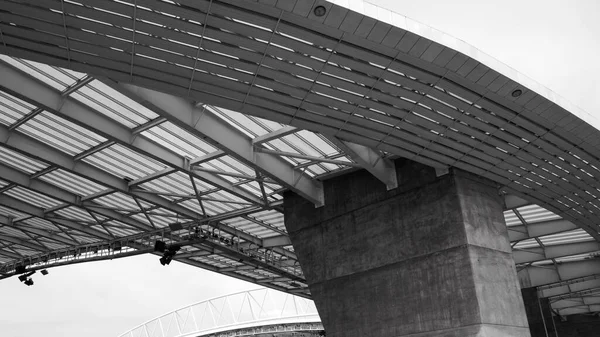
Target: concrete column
<point>430,258</point>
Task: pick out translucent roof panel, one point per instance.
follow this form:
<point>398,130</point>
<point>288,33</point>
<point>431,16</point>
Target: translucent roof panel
<point>60,133</point>
<point>58,78</point>
<point>13,108</point>
<point>123,162</point>
<point>20,161</point>
<point>179,140</point>
<point>535,213</point>
<point>578,235</point>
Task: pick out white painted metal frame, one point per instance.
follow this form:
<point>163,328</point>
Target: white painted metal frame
<point>245,313</point>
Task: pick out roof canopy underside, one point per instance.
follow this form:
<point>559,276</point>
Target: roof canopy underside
<point>119,118</point>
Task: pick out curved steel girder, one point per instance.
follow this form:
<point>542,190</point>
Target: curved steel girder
<point>206,125</point>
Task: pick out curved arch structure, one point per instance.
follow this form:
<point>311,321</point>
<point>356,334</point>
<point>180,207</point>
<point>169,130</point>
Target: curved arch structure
<point>145,112</point>
<point>248,313</point>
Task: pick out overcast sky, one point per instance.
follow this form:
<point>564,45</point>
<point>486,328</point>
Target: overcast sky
<point>556,43</point>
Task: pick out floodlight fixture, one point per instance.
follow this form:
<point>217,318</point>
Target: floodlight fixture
<point>24,277</point>
<point>44,272</point>
<point>517,93</point>
<point>168,254</point>
<point>160,246</point>
<point>29,282</point>
<point>176,226</point>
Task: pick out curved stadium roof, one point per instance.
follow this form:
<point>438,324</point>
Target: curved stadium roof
<point>122,117</point>
<point>259,312</point>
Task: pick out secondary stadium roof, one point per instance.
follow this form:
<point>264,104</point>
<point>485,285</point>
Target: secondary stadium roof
<point>122,117</point>
<point>259,312</point>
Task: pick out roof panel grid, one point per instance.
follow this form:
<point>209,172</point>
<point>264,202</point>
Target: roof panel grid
<point>71,182</point>
<point>60,133</point>
<point>179,140</point>
<point>12,212</point>
<point>577,235</point>
<point>113,104</point>
<point>122,162</point>
<point>535,213</point>
<point>14,232</point>
<point>173,186</point>
<point>41,224</point>
<point>32,197</point>
<point>56,77</point>
<point>118,228</point>
<point>117,201</point>
<point>240,121</point>
<point>75,214</point>
<point>13,109</point>
<point>20,161</point>
<point>529,243</point>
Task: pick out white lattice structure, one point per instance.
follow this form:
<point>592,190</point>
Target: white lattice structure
<point>247,313</point>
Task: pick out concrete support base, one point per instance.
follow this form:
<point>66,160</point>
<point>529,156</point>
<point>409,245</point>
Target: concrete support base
<point>430,258</point>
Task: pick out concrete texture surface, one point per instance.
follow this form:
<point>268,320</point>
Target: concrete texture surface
<point>430,258</point>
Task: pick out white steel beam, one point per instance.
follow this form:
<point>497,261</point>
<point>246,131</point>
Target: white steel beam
<point>284,131</point>
<point>512,201</point>
<point>202,122</point>
<point>369,159</point>
<point>539,275</point>
<point>537,229</point>
<point>555,251</point>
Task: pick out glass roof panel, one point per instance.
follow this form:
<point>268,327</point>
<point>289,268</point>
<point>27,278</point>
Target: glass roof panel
<point>140,112</point>
<point>179,140</point>
<point>20,161</point>
<point>529,243</point>
<point>32,197</point>
<point>60,133</point>
<point>41,224</point>
<point>12,109</point>
<point>577,235</point>
<point>239,121</point>
<point>72,183</point>
<point>123,162</point>
<point>535,213</point>
<point>511,218</point>
<point>55,77</point>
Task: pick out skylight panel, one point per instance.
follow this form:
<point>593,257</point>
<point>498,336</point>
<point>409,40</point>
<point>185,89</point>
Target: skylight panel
<point>41,224</point>
<point>47,74</point>
<point>72,183</point>
<point>75,214</point>
<point>60,133</point>
<point>11,212</point>
<point>12,108</point>
<point>240,122</point>
<point>123,162</point>
<point>32,197</point>
<point>20,161</point>
<point>179,140</point>
<point>529,243</point>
